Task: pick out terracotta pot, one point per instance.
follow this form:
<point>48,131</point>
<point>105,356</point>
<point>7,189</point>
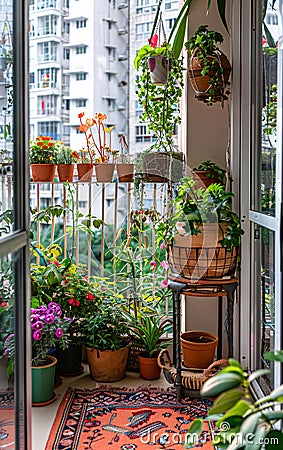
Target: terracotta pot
<point>65,172</point>
<point>202,256</point>
<point>104,172</point>
<point>43,172</point>
<point>202,83</point>
<point>198,348</point>
<point>107,365</point>
<point>85,171</point>
<point>204,178</point>
<point>43,383</point>
<point>159,69</point>
<point>125,172</point>
<point>149,369</point>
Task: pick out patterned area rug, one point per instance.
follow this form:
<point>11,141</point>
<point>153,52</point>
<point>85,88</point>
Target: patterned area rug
<point>7,420</point>
<point>112,418</point>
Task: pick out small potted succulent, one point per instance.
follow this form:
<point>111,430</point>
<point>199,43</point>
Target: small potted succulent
<point>43,158</point>
<point>66,160</point>
<point>148,330</point>
<point>124,163</point>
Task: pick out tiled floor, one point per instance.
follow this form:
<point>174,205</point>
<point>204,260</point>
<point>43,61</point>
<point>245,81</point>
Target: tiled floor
<point>42,417</point>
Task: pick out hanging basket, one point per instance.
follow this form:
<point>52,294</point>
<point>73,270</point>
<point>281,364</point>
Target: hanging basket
<point>201,256</point>
<point>203,84</point>
<point>159,69</point>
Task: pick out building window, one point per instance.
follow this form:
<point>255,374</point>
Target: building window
<point>48,51</point>
<point>143,135</point>
<point>169,23</point>
<point>81,23</point>
<point>171,5</point>
<point>31,78</point>
<point>80,50</point>
<point>81,76</point>
<point>47,104</point>
<point>146,6</point>
<point>143,30</point>
<point>66,28</point>
<point>48,129</point>
<point>47,25</point>
<point>138,108</point>
<point>47,4</point>
<point>82,204</point>
<point>66,53</point>
<point>110,104</point>
<point>271,19</point>
<point>81,103</point>
<point>47,78</point>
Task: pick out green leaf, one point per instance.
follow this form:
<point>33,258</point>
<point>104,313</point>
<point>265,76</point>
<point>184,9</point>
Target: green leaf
<point>180,37</point>
<point>183,11</point>
<point>220,383</point>
<point>194,432</point>
<point>274,415</point>
<point>225,401</point>
<point>221,10</point>
<point>269,37</point>
<point>257,374</point>
<point>239,409</point>
<point>259,435</point>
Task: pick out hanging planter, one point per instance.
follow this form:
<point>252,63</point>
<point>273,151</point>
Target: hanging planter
<point>159,69</point>
<point>209,68</point>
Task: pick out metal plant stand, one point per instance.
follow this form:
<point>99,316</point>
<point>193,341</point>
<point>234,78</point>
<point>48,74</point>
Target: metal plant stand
<point>218,287</point>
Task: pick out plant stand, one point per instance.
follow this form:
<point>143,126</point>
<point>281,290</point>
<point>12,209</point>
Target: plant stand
<point>220,287</point>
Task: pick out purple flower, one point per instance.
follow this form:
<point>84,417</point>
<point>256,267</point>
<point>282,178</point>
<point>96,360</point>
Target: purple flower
<point>37,325</point>
<point>37,335</point>
<point>33,319</point>
<point>162,246</point>
<point>49,318</point>
<point>59,333</point>
<point>56,310</point>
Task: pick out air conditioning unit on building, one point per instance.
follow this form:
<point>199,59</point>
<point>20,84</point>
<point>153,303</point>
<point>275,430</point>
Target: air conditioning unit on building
<point>122,31</point>
<point>122,5</point>
<point>122,58</point>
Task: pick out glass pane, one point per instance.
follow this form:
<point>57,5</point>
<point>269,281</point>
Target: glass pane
<point>265,161</point>
<point>6,120</point>
<point>7,421</point>
<point>267,302</point>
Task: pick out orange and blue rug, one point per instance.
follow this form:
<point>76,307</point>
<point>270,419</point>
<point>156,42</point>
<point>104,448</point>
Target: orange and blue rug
<point>121,419</point>
<point>7,420</point>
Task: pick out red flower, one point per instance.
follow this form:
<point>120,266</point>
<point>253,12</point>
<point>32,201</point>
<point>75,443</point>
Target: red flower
<point>74,302</point>
<point>153,41</point>
<point>89,296</point>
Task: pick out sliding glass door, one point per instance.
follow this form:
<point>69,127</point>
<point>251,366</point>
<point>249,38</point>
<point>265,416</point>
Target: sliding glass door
<point>266,187</point>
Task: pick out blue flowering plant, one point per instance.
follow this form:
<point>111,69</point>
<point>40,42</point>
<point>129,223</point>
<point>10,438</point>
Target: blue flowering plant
<point>49,329</point>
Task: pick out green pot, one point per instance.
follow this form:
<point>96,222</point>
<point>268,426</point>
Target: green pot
<point>43,382</point>
<point>69,360</point>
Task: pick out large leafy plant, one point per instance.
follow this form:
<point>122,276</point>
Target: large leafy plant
<point>241,421</point>
<point>194,207</point>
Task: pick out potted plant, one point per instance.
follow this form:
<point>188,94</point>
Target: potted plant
<point>105,336</point>
<point>49,328</point>
<point>241,421</point>
<point>209,68</point>
<point>65,163</point>
<point>124,163</point>
<point>148,330</point>
<point>99,145</point>
<point>206,173</point>
<point>198,348</point>
<point>43,158</point>
<point>76,293</point>
<point>203,234</point>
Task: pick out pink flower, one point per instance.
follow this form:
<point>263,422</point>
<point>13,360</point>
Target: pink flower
<point>37,335</point>
<point>164,283</point>
<point>165,264</point>
<point>162,246</point>
<point>153,265</point>
<point>153,41</point>
<point>59,332</point>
